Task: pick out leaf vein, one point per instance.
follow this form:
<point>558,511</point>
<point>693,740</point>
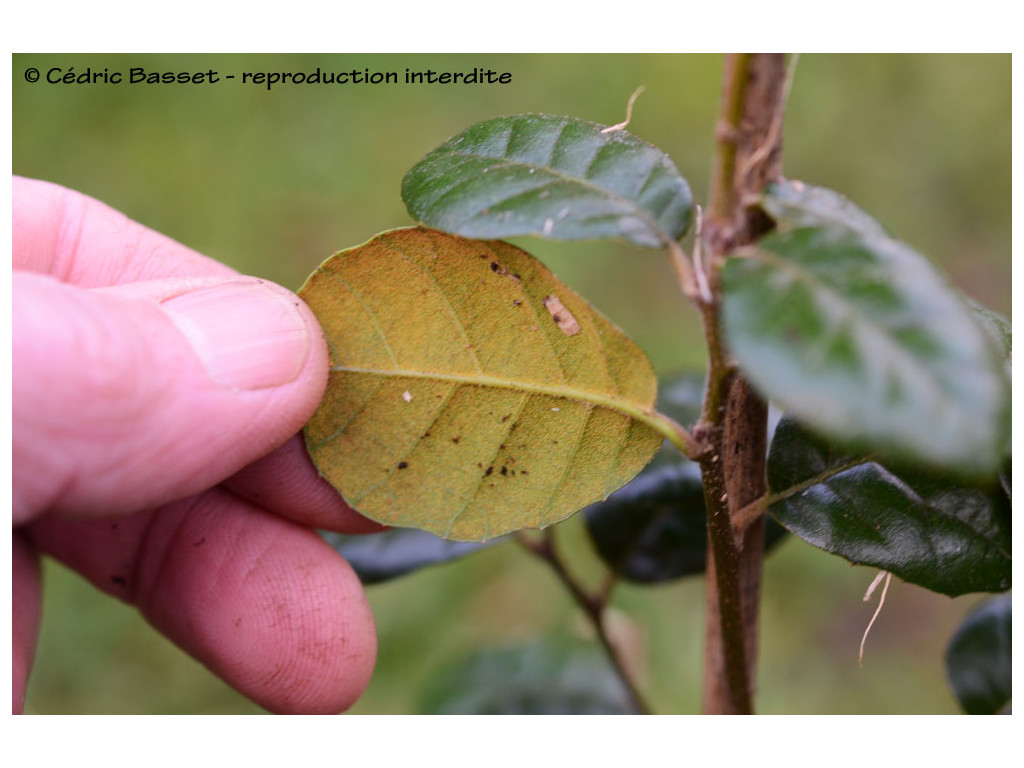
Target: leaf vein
<point>603,192</point>
<point>570,460</point>
<point>471,497</point>
<point>444,298</point>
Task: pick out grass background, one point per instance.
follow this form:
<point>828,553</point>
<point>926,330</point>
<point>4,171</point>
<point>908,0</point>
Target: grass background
<point>272,182</point>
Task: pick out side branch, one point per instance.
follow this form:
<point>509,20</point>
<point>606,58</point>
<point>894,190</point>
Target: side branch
<point>593,606</point>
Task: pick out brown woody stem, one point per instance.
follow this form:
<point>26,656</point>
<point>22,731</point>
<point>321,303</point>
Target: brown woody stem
<point>734,422</point>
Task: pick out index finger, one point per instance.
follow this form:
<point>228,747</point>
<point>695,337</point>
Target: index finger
<point>78,239</point>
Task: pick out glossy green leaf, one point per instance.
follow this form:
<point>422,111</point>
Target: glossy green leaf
<point>536,679</point>
<point>930,530</point>
<point>379,557</point>
<point>558,177</point>
<point>979,656</point>
<point>471,394</point>
<point>654,529</point>
<point>858,336</point>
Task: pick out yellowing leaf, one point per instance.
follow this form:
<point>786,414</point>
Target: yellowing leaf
<point>461,400</point>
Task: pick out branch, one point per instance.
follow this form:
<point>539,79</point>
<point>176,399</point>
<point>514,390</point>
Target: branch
<point>734,421</point>
<point>592,604</point>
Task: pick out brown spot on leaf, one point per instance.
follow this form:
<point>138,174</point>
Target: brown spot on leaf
<point>563,317</point>
<point>497,269</point>
<point>403,464</point>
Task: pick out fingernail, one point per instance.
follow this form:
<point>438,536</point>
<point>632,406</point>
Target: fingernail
<point>248,333</point>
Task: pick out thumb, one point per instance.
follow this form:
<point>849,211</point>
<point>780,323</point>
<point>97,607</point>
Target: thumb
<point>136,395</point>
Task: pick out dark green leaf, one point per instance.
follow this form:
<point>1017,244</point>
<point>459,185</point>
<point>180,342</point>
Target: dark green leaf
<point>927,529</point>
<point>553,176</point>
<point>655,528</point>
<point>383,556</point>
<point>978,659</point>
<point>537,679</point>
<point>858,336</point>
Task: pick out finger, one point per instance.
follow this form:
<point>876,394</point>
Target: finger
<point>265,604</point>
<point>130,397</point>
<point>287,484</point>
<point>24,616</point>
<point>78,239</point>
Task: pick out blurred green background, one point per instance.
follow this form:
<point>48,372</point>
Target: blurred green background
<point>272,182</point>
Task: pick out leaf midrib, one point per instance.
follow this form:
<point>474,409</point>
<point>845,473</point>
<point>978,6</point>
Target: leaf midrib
<point>632,409</point>
<point>558,176</point>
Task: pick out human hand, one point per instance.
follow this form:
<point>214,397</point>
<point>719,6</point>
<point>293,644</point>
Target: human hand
<point>157,395</point>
